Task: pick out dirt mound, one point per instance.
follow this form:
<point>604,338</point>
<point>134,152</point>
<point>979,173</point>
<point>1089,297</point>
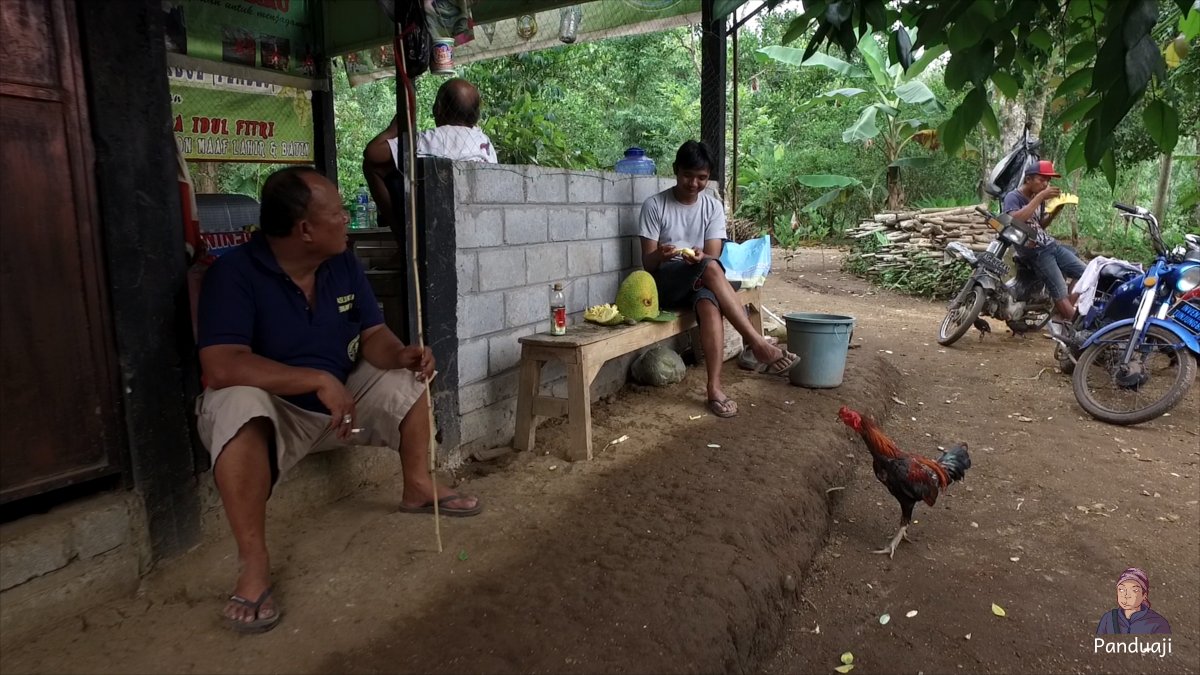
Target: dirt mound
<point>673,560</point>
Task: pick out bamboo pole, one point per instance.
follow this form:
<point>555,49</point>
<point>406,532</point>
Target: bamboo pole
<point>408,172</point>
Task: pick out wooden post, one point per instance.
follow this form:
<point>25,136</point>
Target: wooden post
<point>733,193</point>
<point>712,87</point>
<point>134,169</point>
<point>325,152</point>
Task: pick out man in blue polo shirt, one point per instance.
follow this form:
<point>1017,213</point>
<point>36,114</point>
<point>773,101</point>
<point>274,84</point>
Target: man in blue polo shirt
<point>297,360</point>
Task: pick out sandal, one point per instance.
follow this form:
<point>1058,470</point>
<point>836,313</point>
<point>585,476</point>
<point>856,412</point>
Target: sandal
<point>746,360</point>
<point>443,509</point>
<point>780,366</point>
<point>725,407</point>
<point>258,625</point>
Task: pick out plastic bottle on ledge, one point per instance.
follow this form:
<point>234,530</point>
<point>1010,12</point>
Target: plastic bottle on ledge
<point>360,208</point>
<point>636,162</point>
<point>372,214</point>
<point>558,310</point>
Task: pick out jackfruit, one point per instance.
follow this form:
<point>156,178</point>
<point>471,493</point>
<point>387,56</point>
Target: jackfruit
<point>637,298</point>
<point>658,367</point>
<point>605,315</point>
<point>686,252</point>
<point>1061,200</point>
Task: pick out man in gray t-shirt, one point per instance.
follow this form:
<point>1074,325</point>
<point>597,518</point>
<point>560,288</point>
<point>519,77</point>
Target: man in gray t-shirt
<point>683,231</point>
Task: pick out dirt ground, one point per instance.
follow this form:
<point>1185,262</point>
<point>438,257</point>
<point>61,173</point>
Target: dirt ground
<point>666,554</point>
<point>1055,506</point>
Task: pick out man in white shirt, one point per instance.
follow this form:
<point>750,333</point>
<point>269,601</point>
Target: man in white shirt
<point>456,136</point>
<point>682,231</point>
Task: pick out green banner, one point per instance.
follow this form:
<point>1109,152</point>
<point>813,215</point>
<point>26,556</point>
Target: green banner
<point>277,35</point>
<point>221,119</point>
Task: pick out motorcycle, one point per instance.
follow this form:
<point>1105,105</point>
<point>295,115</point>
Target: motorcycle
<point>1021,302</point>
<point>1136,369</point>
<point>1118,291</point>
<point>1117,294</point>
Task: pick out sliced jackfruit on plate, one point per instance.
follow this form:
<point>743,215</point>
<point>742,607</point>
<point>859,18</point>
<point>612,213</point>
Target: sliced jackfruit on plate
<point>605,315</point>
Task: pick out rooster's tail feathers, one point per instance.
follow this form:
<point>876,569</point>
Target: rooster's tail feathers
<point>955,461</point>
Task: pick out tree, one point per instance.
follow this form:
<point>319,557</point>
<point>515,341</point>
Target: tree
<point>893,88</point>
<point>1109,47</point>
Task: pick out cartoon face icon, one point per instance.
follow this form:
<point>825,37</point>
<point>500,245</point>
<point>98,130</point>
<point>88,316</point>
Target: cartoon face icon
<point>1130,595</point>
<point>1133,614</point>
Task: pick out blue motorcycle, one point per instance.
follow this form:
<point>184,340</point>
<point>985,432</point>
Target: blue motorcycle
<point>1136,369</point>
<point>1118,291</point>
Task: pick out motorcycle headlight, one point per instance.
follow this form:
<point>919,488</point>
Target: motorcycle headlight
<point>1013,236</point>
<point>1189,279</point>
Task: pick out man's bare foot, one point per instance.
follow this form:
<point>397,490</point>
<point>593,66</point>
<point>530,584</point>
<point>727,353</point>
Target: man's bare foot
<point>765,352</point>
<point>773,359</point>
<point>252,583</point>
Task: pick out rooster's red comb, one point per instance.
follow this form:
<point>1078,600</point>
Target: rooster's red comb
<point>850,418</point>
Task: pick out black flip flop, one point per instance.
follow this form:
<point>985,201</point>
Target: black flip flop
<point>257,625</point>
<point>720,408</point>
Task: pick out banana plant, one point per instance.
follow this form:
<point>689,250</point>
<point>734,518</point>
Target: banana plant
<point>889,99</point>
<point>768,177</point>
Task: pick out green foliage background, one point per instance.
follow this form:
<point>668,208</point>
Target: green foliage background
<point>580,106</point>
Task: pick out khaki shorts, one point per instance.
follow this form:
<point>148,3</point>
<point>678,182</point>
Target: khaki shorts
<point>381,400</point>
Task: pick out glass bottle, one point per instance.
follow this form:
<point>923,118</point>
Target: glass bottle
<point>558,310</point>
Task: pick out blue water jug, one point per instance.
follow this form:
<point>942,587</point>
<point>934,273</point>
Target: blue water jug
<point>636,162</point>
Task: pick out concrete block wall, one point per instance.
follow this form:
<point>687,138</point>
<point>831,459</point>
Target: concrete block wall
<point>518,230</point>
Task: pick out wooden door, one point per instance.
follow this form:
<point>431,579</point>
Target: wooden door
<point>58,388</point>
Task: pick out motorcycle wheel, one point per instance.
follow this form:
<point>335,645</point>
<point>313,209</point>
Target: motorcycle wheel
<point>1163,373</point>
<point>959,320</point>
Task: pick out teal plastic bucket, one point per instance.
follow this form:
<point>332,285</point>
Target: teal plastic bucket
<point>821,341</point>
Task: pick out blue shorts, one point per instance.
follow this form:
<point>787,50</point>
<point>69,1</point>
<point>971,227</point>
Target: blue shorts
<point>1053,264</point>
<point>679,284</point>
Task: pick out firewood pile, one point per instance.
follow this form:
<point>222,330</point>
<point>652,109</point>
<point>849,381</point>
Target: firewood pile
<point>918,234</point>
<point>741,229</point>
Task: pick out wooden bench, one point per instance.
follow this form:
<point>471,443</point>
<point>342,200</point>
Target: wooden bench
<point>583,350</point>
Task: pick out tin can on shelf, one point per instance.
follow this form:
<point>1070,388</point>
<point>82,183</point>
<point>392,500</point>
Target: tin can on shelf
<point>442,62</point>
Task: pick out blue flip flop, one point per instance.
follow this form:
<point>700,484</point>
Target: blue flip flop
<point>257,625</point>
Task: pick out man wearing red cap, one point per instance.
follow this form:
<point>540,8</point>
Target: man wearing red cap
<point>1052,261</point>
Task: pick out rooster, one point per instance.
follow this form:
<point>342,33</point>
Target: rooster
<point>910,478</point>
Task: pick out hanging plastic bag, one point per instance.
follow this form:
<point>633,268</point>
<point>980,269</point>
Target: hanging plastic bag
<point>748,262</point>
